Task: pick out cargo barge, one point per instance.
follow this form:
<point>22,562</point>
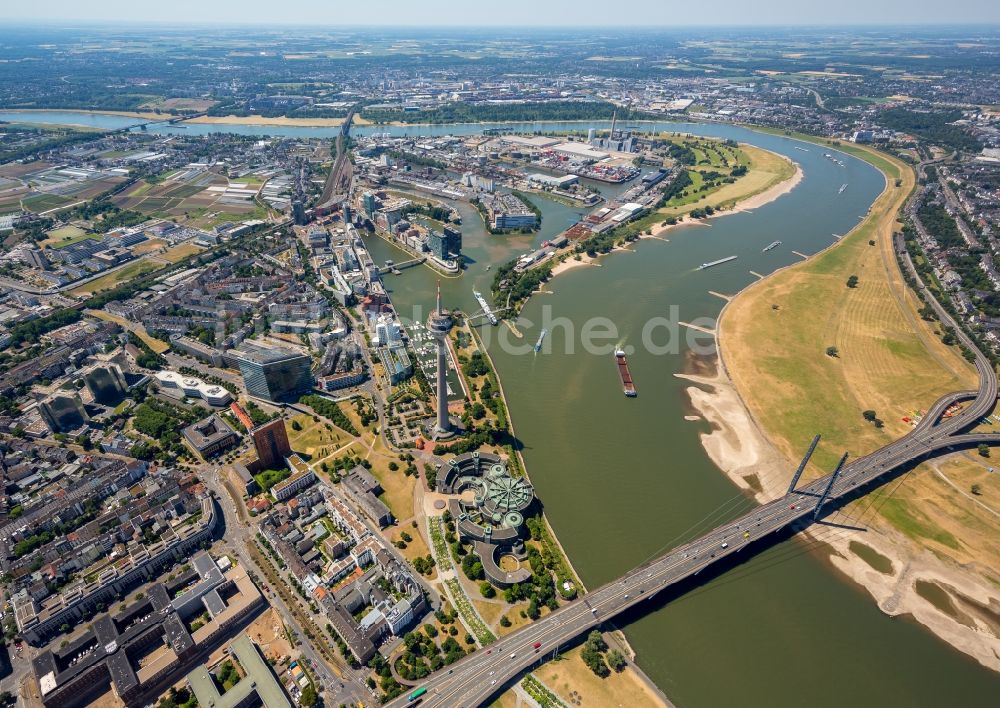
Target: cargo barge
<point>703,266</point>
<point>627,386</point>
<point>771,246</point>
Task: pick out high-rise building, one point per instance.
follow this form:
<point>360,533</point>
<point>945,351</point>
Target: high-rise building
<point>271,442</point>
<point>63,412</point>
<point>435,242</point>
<point>387,330</point>
<point>370,203</point>
<point>298,212</point>
<point>273,374</point>
<point>106,383</point>
<point>439,324</point>
<point>446,244</point>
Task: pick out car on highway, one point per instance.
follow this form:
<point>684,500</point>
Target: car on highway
<point>725,544</point>
<point>538,645</point>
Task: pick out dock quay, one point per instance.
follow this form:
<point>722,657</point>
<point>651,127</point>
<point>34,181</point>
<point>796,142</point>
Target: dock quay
<point>697,328</point>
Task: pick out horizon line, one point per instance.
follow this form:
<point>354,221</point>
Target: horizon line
<point>69,22</point>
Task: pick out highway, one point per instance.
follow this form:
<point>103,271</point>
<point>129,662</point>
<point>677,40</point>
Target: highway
<point>473,680</point>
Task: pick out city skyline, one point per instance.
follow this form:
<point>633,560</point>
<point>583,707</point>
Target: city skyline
<point>519,13</point>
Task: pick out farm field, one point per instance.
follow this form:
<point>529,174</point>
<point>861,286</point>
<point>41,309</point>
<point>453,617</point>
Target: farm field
<point>45,202</point>
<point>195,196</point>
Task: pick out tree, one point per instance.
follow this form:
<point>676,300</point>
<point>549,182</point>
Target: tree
<point>296,425</point>
<point>393,467</point>
<point>616,660</point>
<point>487,590</point>
<point>596,641</point>
<point>504,622</point>
<point>308,697</point>
<point>595,661</point>
<point>833,352</point>
<point>852,282</point>
<point>976,489</point>
<point>533,612</point>
<point>984,450</point>
<point>869,416</point>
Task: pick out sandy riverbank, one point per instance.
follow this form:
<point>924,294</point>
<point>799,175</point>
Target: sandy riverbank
<point>148,115</point>
<point>279,121</point>
<point>740,449</point>
<point>659,230</point>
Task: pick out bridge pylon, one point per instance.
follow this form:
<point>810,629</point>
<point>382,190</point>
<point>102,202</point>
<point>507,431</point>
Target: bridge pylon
<point>802,465</point>
<point>829,487</point>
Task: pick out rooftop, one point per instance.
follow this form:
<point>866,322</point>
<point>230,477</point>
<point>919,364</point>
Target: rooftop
<point>257,354</point>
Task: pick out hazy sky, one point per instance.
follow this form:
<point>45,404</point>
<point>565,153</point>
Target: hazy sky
<point>510,12</point>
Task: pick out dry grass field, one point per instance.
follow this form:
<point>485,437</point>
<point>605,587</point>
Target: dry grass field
<point>115,278</point>
<point>157,345</point>
<point>569,674</point>
<point>889,361</point>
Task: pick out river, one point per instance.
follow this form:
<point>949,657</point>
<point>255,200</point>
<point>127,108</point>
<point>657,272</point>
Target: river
<point>622,480</point>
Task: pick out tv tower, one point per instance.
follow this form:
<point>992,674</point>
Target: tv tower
<point>439,324</point>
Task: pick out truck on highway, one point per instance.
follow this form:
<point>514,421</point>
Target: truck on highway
<point>416,694</point>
